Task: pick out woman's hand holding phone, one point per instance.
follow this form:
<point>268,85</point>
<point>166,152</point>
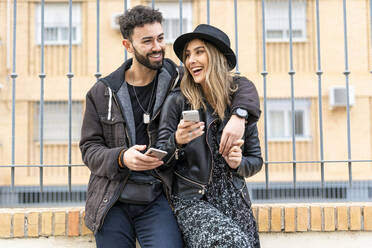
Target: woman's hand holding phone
<point>187,131</point>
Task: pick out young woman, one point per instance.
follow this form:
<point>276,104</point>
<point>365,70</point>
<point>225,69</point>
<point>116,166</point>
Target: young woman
<point>209,195</point>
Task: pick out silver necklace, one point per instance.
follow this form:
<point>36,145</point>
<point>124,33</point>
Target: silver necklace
<point>146,113</point>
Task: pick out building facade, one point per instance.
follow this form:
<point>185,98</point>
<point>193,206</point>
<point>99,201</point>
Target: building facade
<point>277,146</point>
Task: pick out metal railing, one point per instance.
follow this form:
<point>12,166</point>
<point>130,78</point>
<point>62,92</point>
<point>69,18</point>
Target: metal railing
<point>269,187</point>
<point>319,73</point>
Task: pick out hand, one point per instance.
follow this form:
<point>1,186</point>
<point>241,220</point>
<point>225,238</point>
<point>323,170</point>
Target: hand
<point>233,131</point>
<point>137,161</point>
<point>234,157</point>
<point>187,131</point>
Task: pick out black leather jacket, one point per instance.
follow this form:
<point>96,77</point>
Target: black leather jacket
<point>193,162</point>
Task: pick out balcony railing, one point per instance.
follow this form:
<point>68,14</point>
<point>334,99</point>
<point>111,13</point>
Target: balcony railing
<point>289,157</point>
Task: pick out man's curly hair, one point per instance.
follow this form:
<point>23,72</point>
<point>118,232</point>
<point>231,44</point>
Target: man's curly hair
<point>138,16</point>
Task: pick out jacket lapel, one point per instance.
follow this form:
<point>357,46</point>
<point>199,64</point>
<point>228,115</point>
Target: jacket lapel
<point>126,106</point>
<point>164,79</point>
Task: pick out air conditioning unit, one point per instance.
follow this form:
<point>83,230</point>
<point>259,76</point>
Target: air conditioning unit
<point>115,20</point>
<point>337,96</point>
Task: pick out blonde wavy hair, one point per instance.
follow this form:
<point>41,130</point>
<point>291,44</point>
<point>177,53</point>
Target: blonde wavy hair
<point>219,82</point>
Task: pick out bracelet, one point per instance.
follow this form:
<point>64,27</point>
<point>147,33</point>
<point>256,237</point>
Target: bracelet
<point>120,158</point>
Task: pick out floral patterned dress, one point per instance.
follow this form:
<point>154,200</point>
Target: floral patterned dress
<point>221,218</point>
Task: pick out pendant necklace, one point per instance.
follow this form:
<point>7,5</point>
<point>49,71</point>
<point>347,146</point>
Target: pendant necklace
<point>146,113</point>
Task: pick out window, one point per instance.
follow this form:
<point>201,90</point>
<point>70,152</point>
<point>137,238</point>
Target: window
<point>277,20</point>
<point>171,21</point>
<point>56,121</point>
<point>56,23</point>
<point>279,119</point>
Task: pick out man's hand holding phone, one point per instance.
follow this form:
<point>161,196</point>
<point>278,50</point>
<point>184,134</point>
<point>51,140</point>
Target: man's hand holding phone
<point>156,153</point>
<point>189,128</point>
<point>135,160</point>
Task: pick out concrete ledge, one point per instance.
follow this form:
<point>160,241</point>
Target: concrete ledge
<point>271,218</point>
<point>48,242</point>
<point>339,239</point>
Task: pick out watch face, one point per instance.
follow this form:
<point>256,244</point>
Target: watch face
<point>241,112</point>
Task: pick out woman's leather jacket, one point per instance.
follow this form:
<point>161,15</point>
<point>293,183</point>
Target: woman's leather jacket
<point>193,163</point>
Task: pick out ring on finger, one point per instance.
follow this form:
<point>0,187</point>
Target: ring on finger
<point>190,135</point>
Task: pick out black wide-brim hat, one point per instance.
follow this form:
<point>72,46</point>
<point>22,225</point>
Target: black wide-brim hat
<point>210,34</point>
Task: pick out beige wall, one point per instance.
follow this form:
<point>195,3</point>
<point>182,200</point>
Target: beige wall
<point>250,65</point>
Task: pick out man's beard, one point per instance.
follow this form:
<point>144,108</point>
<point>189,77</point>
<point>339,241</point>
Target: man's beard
<point>144,60</point>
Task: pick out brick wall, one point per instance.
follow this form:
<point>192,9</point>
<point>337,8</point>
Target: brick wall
<point>46,222</point>
<point>287,218</point>
<point>314,217</point>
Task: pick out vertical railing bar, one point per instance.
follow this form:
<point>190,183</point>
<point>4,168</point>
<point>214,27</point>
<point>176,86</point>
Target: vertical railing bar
<point>264,75</point>
<point>346,73</point>
<point>8,32</point>
<point>319,73</point>
<point>42,77</point>
<point>125,10</point>
<point>13,76</point>
<point>69,76</point>
<point>153,4</point>
<point>97,74</point>
<point>208,12</point>
<point>181,20</point>
<point>236,37</point>
<point>291,73</point>
<point>181,16</point>
<point>370,26</point>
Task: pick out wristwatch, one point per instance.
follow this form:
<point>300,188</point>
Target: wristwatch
<point>240,112</point>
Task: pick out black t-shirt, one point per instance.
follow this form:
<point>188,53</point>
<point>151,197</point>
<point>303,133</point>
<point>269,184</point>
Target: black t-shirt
<point>143,98</point>
<point>142,95</point>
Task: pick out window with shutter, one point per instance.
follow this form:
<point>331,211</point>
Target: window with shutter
<point>279,119</point>
<point>56,121</point>
<point>277,20</point>
<point>56,23</point>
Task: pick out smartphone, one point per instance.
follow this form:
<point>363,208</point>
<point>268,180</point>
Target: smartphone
<point>191,115</point>
<point>156,153</point>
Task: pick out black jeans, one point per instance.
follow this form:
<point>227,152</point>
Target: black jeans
<point>154,225</point>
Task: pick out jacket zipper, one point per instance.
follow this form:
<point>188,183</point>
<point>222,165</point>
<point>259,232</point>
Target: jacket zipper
<point>210,172</point>
<point>175,154</point>
<point>164,188</point>
<point>202,191</point>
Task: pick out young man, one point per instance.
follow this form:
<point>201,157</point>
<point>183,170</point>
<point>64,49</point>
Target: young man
<point>128,190</point>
